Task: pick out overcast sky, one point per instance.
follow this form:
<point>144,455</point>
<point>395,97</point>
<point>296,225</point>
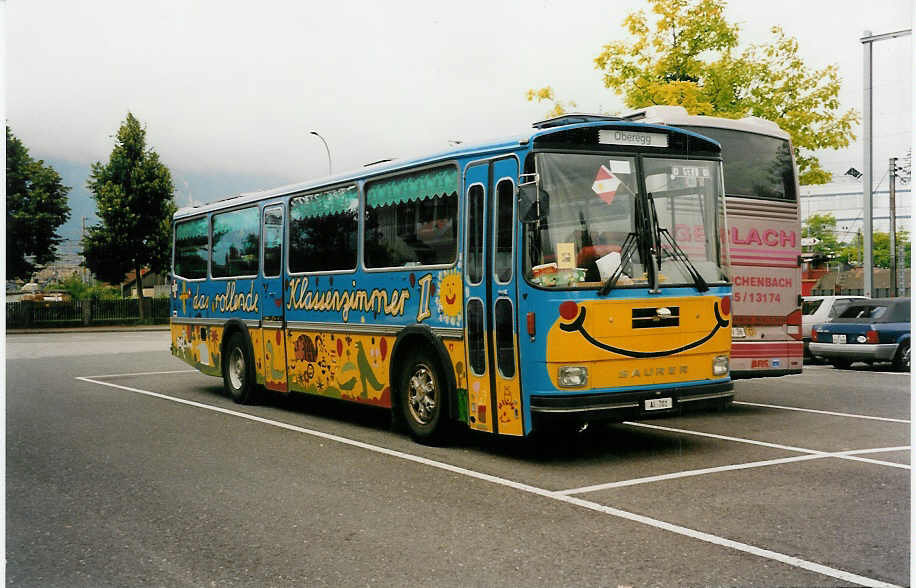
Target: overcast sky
<point>236,87</point>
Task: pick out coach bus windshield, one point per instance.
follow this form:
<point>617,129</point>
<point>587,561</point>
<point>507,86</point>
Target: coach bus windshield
<point>756,166</point>
<point>595,213</point>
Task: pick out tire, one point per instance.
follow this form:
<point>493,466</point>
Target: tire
<point>902,359</point>
<point>840,363</point>
<point>422,398</point>
<point>725,404</point>
<point>238,372</point>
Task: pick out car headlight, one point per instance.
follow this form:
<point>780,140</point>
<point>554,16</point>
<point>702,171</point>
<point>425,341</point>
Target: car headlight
<point>720,365</point>
<point>572,376</point>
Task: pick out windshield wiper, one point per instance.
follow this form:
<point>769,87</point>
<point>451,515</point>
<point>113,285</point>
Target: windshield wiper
<point>627,250</point>
<point>676,253</point>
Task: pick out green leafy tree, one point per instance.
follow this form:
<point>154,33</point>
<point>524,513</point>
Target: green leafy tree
<point>823,228</point>
<point>36,206</point>
<point>688,54</point>
<point>74,286</point>
<point>135,200</point>
<point>880,251</point>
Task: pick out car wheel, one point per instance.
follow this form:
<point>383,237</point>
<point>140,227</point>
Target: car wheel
<point>840,364</point>
<point>422,398</point>
<point>902,359</point>
<point>238,372</point>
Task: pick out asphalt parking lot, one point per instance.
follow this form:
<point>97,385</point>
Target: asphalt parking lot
<point>125,468</point>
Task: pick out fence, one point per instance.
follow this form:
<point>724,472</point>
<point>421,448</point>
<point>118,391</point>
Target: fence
<point>77,313</point>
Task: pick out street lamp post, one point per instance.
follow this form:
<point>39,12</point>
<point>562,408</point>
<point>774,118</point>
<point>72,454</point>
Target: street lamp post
<point>328,149</point>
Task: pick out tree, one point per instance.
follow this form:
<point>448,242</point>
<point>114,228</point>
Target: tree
<point>547,93</point>
<point>36,206</point>
<point>135,200</point>
<point>823,228</point>
<point>79,290</point>
<point>881,250</point>
<point>689,56</point>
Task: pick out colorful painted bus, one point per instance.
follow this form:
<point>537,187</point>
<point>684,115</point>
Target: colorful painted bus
<point>764,234</point>
<point>571,274</point>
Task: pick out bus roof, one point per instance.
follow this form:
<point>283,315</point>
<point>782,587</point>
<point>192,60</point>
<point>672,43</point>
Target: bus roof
<point>677,115</point>
<point>457,152</point>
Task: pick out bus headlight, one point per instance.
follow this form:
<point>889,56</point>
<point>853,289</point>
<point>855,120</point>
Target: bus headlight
<point>720,365</point>
<point>572,376</point>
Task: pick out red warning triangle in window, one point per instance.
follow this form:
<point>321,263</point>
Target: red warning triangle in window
<point>605,185</point>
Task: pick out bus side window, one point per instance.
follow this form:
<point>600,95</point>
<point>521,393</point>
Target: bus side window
<point>502,265</point>
<point>505,338</point>
<point>273,240</point>
<point>477,358</point>
<point>236,243</point>
<point>192,248</point>
<point>412,219</point>
<point>323,231</point>
<point>475,233</point>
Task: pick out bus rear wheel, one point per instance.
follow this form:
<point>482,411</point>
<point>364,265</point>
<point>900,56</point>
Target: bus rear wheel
<point>238,375</point>
<point>422,398</point>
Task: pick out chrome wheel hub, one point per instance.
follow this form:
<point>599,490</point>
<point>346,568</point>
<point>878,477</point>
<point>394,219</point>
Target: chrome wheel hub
<point>236,368</point>
<point>422,395</point>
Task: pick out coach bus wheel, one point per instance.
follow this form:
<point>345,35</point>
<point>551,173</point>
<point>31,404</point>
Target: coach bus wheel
<point>237,373</point>
<point>421,392</point>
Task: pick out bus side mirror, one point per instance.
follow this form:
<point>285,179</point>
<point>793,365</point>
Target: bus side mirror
<point>529,207</point>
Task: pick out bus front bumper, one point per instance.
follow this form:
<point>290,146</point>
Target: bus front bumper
<point>621,406</point>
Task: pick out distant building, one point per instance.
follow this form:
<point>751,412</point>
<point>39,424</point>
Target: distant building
<point>851,282</point>
<point>153,284</point>
<point>845,200</point>
<point>55,273</point>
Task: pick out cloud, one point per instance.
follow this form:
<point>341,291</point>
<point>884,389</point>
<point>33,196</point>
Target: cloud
<point>235,87</point>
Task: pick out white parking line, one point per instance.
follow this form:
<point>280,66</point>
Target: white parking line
<point>142,374</point>
<point>830,367</point>
<point>733,467</point>
<point>841,455</point>
<point>841,575</point>
<point>842,414</point>
<point>689,473</point>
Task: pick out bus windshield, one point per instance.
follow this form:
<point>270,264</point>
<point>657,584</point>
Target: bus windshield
<point>596,213</point>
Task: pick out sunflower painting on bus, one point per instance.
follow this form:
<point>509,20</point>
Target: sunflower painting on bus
<point>450,301</point>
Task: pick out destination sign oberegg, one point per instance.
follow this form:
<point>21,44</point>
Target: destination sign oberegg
<point>618,137</point>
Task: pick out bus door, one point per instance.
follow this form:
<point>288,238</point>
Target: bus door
<point>272,315</point>
<point>494,395</point>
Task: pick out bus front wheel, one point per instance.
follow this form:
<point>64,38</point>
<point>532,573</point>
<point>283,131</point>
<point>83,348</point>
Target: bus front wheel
<point>422,398</point>
<point>238,373</point>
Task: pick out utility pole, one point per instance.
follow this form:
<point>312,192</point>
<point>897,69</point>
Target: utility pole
<point>867,289</point>
<point>85,270</point>
<point>892,204</point>
<point>859,246</point>
<point>867,40</point>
